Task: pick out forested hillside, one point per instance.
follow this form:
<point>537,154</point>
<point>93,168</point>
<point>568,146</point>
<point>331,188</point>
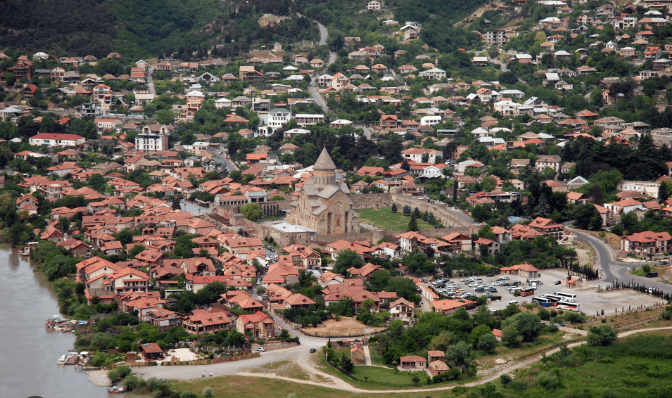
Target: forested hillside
<point>78,26</point>
<point>141,28</point>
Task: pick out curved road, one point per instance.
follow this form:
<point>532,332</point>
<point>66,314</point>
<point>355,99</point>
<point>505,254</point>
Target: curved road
<point>614,270</point>
<point>312,87</point>
<point>302,357</point>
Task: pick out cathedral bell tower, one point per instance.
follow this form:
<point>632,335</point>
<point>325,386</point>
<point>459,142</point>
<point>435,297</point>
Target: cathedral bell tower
<point>324,170</point>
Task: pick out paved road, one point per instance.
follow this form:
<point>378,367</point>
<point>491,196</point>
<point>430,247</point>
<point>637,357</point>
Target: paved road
<point>461,215</point>
<point>302,358</point>
<point>312,87</point>
<point>614,270</point>
<point>319,99</point>
<point>150,82</point>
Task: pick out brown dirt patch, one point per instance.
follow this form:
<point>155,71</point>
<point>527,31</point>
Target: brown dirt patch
<point>284,369</point>
<point>343,327</point>
<point>613,239</point>
<point>270,19</point>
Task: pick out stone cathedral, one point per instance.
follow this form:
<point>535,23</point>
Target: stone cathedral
<point>323,204</point>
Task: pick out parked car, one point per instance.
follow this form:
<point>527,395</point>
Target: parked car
<point>652,275</point>
<point>513,302</point>
<point>312,350</point>
<point>558,282</point>
<point>261,349</point>
<point>490,275</point>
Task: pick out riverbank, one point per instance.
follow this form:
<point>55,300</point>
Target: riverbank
<point>98,377</point>
<point>28,352</point>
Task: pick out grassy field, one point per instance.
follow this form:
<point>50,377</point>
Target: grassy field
<point>253,387</point>
<point>377,376</point>
<point>633,367</point>
<point>640,271</point>
<point>385,219</point>
<point>637,366</point>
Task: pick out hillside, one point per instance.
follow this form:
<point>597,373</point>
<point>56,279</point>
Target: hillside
<point>142,28</point>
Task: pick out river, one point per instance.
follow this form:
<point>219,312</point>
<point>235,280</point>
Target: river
<point>28,352</point>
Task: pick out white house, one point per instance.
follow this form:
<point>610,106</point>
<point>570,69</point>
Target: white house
<point>221,103</point>
<point>278,117</point>
<point>433,74</point>
<point>373,5</point>
<point>52,140</point>
<point>304,120</point>
<point>624,206</point>
<point>430,120</point>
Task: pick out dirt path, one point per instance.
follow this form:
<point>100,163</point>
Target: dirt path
<point>342,385</point>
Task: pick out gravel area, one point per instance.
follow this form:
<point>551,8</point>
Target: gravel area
<point>98,377</point>
<point>590,300</point>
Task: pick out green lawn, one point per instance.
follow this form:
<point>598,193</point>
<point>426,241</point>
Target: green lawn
<point>386,376</point>
<point>385,219</point>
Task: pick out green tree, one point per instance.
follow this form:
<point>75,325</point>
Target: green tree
<point>164,116</point>
<point>347,259</point>
<point>487,343</point>
<point>346,364</point>
<point>394,208</point>
<point>528,325</point>
<point>406,210</point>
<point>125,236</point>
<point>587,217</point>
<point>458,353</point>
<point>251,211</point>
<point>601,335</point>
<point>413,224</point>
<point>486,232</point>
<point>98,182</point>
<point>479,331</point>
<point>481,213</point>
<point>511,337</point>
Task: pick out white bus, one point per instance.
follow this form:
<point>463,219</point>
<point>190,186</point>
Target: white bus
<point>565,305</point>
<point>570,297</point>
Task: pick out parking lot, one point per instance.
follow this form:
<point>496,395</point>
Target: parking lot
<point>590,300</point>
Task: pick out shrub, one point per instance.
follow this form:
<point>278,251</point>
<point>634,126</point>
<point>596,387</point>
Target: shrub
<point>505,379</point>
<point>552,328</point>
<point>601,335</point>
<point>573,317</point>
<point>120,372</point>
<point>518,385</point>
<point>549,381</point>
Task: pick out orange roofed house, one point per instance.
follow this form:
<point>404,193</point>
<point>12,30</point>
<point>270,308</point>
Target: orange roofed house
<point>201,321</point>
<point>412,363</point>
<point>525,270</point>
<point>449,307</point>
<point>547,227</point>
<point>259,325</point>
<point>646,242</point>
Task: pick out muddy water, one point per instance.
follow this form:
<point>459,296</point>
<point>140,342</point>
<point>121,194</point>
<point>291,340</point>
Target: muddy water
<point>28,352</point>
